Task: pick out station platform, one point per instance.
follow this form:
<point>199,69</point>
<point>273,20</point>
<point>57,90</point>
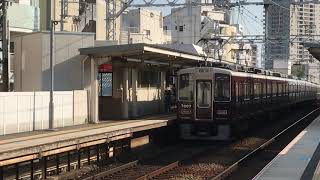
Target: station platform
<point>22,147</point>
<point>299,159</point>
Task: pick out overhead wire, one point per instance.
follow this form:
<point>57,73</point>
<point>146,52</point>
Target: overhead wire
<point>252,25</point>
<point>244,23</point>
<point>255,16</point>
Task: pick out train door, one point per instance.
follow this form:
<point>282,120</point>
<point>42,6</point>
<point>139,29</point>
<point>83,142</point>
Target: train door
<point>204,99</point>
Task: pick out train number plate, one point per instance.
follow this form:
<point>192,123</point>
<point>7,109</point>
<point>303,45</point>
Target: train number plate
<point>185,111</point>
<point>222,112</point>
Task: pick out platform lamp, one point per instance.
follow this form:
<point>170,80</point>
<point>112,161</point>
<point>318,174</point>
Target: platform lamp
<point>52,57</point>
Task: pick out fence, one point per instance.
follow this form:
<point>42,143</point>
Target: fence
<point>29,111</point>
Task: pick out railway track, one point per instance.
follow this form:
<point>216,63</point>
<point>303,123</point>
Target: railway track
<point>205,162</point>
<point>133,170</point>
<point>224,174</point>
<point>226,160</point>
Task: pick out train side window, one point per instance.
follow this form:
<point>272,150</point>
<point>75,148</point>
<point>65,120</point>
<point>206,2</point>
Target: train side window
<point>274,89</point>
<point>222,87</point>
<point>279,89</point>
<point>256,90</point>
<point>237,92</point>
<point>246,91</point>
<point>241,91</point>
<point>265,89</point>
<point>269,89</point>
<point>285,89</point>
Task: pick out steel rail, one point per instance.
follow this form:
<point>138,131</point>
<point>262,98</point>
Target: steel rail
<point>159,171</point>
<point>112,171</point>
<point>235,165</point>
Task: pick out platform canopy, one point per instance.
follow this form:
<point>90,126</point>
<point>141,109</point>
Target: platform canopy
<point>314,49</point>
<point>189,55</point>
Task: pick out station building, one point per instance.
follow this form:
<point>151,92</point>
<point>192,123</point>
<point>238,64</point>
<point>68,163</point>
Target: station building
<point>123,81</point>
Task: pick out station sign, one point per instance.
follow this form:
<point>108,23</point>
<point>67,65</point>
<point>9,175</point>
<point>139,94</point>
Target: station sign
<point>105,68</point>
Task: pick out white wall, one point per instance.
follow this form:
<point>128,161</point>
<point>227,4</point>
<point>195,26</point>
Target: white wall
<point>29,111</point>
<point>190,19</point>
<point>139,21</point>
<point>27,62</point>
<point>32,70</point>
<point>100,20</point>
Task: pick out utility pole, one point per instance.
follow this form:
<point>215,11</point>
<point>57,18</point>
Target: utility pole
<point>53,23</point>
<point>5,44</point>
<point>52,49</point>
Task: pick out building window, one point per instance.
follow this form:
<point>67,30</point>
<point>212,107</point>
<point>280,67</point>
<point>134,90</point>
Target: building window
<point>105,84</point>
<point>180,28</point>
<point>165,28</point>
<point>148,32</point>
<point>176,27</point>
<point>148,78</point>
<point>11,47</point>
<point>65,8</point>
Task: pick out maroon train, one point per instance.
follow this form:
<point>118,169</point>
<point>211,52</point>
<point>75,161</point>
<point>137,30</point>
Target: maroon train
<point>214,103</point>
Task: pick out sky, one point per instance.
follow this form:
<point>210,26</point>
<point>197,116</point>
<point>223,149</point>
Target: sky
<point>250,17</point>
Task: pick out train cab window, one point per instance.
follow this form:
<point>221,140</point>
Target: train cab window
<point>203,94</point>
<point>222,87</point>
<point>186,87</point>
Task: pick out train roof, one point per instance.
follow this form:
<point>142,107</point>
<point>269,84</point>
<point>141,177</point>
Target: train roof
<point>253,72</point>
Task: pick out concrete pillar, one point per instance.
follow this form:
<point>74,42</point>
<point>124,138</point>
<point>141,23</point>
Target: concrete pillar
<point>134,93</point>
<point>125,91</point>
<point>101,22</point>
<point>162,89</point>
<point>93,101</point>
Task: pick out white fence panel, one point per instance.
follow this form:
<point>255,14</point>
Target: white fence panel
<point>80,108</point>
<point>25,112</point>
<point>28,111</point>
<point>63,108</point>
<point>41,110</point>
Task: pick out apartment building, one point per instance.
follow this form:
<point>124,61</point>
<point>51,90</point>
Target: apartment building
<point>288,27</point>
<point>78,16</point>
<point>143,26</point>
<point>189,24</point>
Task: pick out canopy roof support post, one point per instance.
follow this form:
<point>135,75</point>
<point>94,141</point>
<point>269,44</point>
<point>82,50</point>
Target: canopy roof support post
<point>93,100</point>
<point>125,104</point>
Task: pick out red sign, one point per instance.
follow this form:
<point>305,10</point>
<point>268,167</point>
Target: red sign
<point>106,68</point>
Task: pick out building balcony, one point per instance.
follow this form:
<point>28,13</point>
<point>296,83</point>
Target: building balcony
<point>23,18</point>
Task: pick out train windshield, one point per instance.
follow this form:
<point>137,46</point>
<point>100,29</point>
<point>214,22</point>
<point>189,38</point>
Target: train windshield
<point>203,94</point>
<point>186,87</point>
<point>222,87</point>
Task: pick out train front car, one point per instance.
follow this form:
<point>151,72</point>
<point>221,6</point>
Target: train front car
<point>203,103</point>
